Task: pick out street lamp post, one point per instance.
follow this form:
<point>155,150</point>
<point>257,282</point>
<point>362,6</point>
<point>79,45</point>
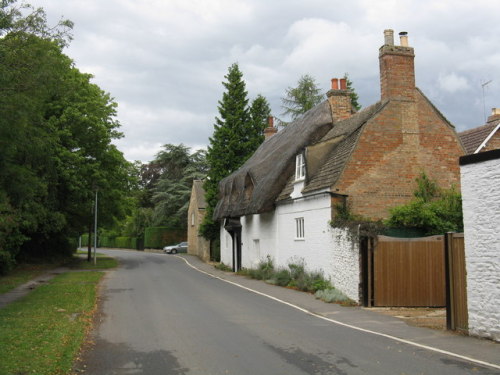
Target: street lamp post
<point>95,226</point>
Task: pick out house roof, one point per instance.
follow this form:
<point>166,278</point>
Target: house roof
<point>340,141</point>
<point>199,194</point>
<point>254,187</point>
<point>473,138</point>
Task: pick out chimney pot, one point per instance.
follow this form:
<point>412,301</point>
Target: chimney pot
<point>270,121</point>
<point>335,83</point>
<point>389,37</point>
<point>343,84</point>
<point>403,37</point>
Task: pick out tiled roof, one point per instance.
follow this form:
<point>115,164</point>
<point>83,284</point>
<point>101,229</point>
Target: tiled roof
<point>473,138</point>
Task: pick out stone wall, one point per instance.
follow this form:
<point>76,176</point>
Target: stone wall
<point>481,208</point>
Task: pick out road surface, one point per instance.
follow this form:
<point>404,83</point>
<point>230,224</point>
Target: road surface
<point>159,316</point>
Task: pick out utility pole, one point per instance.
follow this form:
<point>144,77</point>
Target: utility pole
<point>95,227</point>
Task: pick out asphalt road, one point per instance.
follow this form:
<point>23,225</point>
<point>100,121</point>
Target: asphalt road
<point>160,316</point>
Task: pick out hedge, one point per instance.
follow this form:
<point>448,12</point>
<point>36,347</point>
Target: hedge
<point>158,237</point>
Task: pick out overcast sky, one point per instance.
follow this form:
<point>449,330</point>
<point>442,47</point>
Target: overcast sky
<point>164,60</point>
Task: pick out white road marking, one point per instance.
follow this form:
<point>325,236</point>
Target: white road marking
<point>412,343</point>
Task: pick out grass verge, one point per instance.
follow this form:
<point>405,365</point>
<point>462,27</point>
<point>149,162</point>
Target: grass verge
<point>42,333</point>
<point>102,262</point>
<point>22,274</point>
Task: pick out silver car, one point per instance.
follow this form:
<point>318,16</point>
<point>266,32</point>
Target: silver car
<point>174,249</point>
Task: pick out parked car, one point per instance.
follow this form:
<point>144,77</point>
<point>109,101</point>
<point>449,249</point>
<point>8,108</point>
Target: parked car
<point>174,249</point>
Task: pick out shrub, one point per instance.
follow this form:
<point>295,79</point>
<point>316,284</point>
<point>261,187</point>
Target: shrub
<point>282,277</point>
<point>264,271</point>
<point>332,295</point>
<point>6,262</point>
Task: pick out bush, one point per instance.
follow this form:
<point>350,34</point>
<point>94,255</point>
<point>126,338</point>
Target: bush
<point>6,262</point>
<point>332,295</point>
<point>264,271</point>
<point>282,277</point>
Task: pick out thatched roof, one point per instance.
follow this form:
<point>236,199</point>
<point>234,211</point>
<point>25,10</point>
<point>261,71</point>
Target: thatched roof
<point>254,187</point>
<point>340,142</point>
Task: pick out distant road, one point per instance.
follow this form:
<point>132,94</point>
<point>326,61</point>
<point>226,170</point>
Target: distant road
<point>160,316</point>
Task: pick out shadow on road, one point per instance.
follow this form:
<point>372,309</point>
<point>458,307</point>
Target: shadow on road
<point>108,358</point>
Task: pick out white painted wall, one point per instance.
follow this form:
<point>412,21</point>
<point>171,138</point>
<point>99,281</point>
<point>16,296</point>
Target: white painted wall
<point>322,249</point>
<point>481,208</point>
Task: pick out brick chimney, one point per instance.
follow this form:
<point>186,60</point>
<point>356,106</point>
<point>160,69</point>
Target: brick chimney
<point>397,69</point>
<point>495,115</point>
<point>339,99</point>
<point>270,130</point>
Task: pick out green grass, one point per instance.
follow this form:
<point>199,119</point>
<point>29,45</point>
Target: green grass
<point>22,274</point>
<point>102,262</point>
<point>42,333</point>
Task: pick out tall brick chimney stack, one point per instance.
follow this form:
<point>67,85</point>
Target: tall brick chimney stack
<point>495,115</point>
<point>339,99</point>
<point>397,69</point>
<point>270,130</point>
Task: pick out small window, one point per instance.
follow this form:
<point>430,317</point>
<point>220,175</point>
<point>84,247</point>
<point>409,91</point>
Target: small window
<point>192,219</point>
<point>299,228</point>
<point>300,167</point>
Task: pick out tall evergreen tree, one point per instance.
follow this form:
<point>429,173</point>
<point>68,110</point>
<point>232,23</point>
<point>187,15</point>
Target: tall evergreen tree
<point>259,113</point>
<point>354,96</point>
<point>298,100</point>
<point>230,144</point>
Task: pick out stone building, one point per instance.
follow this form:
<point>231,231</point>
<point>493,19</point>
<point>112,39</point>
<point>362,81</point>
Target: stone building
<point>197,244</point>
<point>480,175</point>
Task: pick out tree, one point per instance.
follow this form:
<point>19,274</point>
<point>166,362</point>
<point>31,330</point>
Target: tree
<point>432,211</point>
<point>259,114</point>
<point>171,192</point>
<point>231,143</point>
<point>354,96</point>
<point>298,100</point>
<point>56,130</point>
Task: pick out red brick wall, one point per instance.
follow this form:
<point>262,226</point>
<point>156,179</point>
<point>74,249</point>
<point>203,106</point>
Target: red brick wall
<point>402,141</point>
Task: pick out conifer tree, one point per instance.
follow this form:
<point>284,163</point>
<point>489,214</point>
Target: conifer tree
<point>230,144</point>
<point>298,100</point>
<point>354,96</point>
<point>260,111</point>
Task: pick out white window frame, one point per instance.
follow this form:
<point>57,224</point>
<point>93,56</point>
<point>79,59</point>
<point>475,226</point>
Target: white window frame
<point>299,228</point>
<point>300,167</point>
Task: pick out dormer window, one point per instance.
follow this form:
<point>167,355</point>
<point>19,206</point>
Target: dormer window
<point>300,167</point>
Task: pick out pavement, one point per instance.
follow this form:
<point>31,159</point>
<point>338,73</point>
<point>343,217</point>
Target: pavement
<point>477,350</point>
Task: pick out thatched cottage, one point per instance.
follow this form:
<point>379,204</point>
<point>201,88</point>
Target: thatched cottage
<point>281,201</point>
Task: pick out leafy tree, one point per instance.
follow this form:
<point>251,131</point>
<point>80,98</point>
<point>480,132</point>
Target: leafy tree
<point>172,190</point>
<point>56,130</point>
<point>433,210</point>
<point>298,100</point>
<point>354,95</point>
<point>231,143</point>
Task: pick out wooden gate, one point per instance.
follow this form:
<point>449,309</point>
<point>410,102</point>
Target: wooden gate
<point>409,272</point>
<point>456,294</point>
